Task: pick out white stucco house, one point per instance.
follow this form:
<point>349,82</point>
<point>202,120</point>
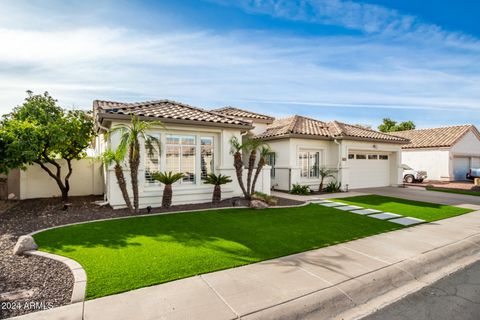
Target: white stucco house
<point>446,153</point>
<point>361,158</point>
<point>194,141</point>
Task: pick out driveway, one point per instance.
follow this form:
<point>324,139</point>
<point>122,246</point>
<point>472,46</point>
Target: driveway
<point>426,196</point>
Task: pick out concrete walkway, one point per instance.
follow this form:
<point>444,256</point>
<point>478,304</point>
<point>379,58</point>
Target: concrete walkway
<point>341,281</point>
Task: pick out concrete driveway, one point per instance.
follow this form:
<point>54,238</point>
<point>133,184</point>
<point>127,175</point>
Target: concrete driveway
<point>420,194</point>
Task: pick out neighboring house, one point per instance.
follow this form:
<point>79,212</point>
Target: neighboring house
<point>361,157</point>
<point>194,142</point>
<point>445,153</point>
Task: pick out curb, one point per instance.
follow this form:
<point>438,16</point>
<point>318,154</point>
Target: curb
<point>360,296</point>
<point>79,274</point>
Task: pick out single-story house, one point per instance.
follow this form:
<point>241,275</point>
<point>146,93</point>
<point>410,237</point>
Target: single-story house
<point>194,141</point>
<point>360,157</point>
<point>446,153</point>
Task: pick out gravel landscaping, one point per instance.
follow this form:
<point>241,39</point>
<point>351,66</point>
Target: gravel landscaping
<point>34,279</point>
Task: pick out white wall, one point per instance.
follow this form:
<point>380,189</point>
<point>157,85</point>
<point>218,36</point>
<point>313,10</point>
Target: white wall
<point>468,145</point>
<point>435,161</point>
<point>151,195</point>
<point>86,179</point>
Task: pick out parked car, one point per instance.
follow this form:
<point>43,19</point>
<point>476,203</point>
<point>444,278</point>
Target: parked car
<point>411,175</point>
<point>473,173</point>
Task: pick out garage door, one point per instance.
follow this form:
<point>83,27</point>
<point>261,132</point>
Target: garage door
<point>368,170</point>
<point>461,165</point>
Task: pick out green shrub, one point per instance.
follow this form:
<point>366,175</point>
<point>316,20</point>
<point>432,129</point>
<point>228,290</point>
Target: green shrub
<point>270,200</point>
<point>333,186</point>
<point>300,189</point>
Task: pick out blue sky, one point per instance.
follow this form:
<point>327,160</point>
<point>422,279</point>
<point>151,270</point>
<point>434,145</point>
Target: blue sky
<point>353,61</point>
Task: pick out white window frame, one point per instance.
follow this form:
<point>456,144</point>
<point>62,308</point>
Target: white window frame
<point>309,169</point>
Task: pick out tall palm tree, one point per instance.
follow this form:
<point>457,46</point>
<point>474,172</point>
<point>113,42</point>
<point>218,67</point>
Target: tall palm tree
<point>324,173</point>
<point>217,181</point>
<point>236,149</point>
<point>118,156</point>
<point>130,135</point>
<point>264,151</point>
<point>251,146</point>
<point>167,178</point>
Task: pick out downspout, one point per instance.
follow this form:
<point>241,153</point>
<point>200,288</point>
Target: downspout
<point>339,157</point>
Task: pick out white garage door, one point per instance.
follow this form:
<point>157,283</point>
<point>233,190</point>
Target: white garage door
<point>368,170</point>
<point>461,165</point>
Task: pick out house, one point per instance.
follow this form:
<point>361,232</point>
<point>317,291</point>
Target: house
<point>194,141</point>
<point>361,157</point>
<point>446,153</point>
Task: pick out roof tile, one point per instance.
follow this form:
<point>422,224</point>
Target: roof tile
<point>240,113</point>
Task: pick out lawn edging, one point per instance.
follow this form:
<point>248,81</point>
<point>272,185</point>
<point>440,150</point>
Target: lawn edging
<point>79,274</point>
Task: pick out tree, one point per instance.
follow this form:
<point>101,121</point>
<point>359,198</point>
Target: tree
<point>167,179</point>
<point>324,173</point>
<point>389,125</point>
<point>41,132</point>
<point>236,149</point>
<point>251,146</point>
<point>266,150</point>
<point>117,157</point>
<point>217,181</point>
<point>130,135</point>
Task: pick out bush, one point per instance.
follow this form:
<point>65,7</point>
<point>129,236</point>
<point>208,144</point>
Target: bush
<point>333,186</point>
<point>299,189</point>
<point>270,200</point>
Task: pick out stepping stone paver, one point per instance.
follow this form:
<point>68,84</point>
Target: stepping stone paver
<point>406,221</point>
<point>366,211</point>
<point>385,215</point>
<point>348,208</point>
<point>321,201</point>
<point>333,204</point>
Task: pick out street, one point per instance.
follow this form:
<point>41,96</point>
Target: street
<point>454,297</point>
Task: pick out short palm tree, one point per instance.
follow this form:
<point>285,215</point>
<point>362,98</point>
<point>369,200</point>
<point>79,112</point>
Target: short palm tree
<point>264,151</point>
<point>217,181</point>
<point>324,173</point>
<point>236,149</point>
<point>130,135</point>
<point>251,146</point>
<point>117,157</point>
<point>167,178</point>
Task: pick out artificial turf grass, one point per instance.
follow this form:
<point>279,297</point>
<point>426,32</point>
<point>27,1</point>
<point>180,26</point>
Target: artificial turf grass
<point>125,254</point>
<point>456,191</point>
<point>422,210</point>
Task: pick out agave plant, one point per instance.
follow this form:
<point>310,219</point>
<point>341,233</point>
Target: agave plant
<point>167,178</point>
<point>217,181</point>
<point>130,135</point>
<point>117,157</point>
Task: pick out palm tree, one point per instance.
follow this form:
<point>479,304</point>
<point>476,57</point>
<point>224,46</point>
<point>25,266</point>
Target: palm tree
<point>261,163</point>
<point>217,181</point>
<point>130,135</point>
<point>324,173</point>
<point>167,178</point>
<point>236,149</point>
<point>251,146</point>
<point>118,156</point>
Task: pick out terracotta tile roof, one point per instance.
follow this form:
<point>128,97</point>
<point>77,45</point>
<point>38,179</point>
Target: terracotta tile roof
<point>243,114</point>
<point>304,126</point>
<point>436,137</point>
<point>164,110</point>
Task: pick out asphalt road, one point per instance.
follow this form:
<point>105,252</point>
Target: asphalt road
<point>454,297</point>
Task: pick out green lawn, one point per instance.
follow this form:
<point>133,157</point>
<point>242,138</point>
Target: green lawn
<point>422,210</point>
<point>457,191</point>
<point>124,254</point>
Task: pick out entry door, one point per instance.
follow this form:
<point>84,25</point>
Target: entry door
<point>461,165</point>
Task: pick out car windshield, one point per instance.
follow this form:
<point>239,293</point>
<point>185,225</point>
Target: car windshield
<point>406,167</point>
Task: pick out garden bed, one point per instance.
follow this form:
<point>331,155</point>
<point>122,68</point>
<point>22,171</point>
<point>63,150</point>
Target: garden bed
<point>42,279</point>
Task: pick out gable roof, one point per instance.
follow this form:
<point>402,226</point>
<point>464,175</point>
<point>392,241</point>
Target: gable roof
<point>300,126</point>
<point>243,114</point>
<point>166,111</point>
<point>436,137</point>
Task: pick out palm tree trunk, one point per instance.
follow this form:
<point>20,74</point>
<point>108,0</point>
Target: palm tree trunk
<point>123,186</point>
<point>261,164</point>
<point>238,164</point>
<point>251,164</point>
<point>217,194</point>
<point>167,196</point>
<point>320,188</point>
<point>134,163</point>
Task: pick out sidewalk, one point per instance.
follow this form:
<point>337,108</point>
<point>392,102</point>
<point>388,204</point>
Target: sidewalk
<point>345,280</point>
